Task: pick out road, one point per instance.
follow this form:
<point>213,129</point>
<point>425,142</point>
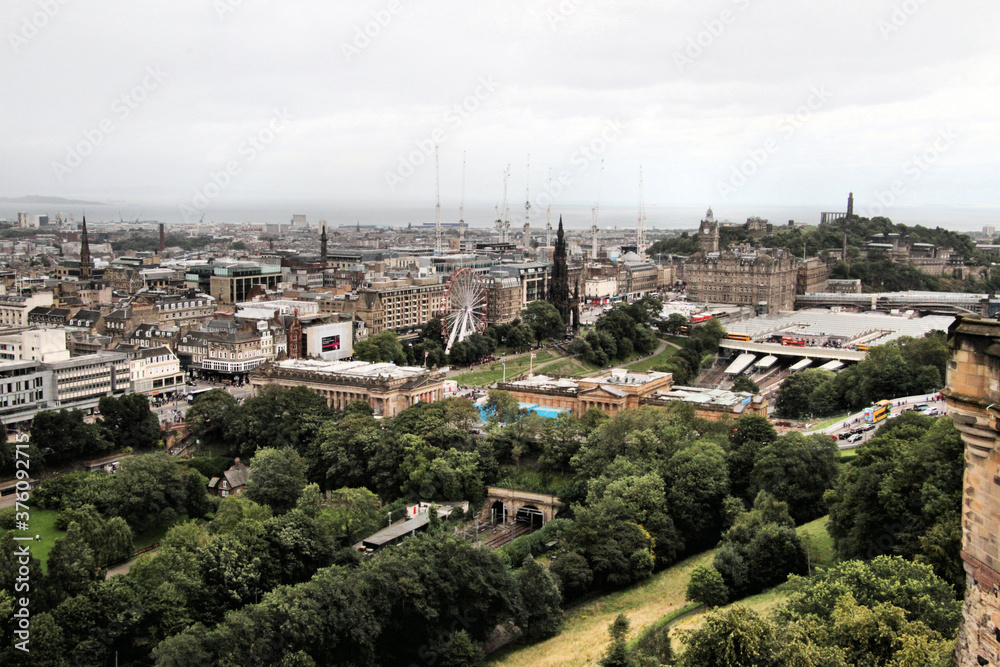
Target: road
<point>173,411</point>
<point>899,406</point>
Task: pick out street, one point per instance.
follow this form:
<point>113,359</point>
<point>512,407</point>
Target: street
<point>899,406</point>
<point>173,411</point>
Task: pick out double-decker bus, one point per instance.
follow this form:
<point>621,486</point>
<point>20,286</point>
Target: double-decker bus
<point>878,412</point>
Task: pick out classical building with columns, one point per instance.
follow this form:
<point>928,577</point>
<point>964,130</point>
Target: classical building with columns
<point>387,388</point>
<point>619,390</point>
<point>973,396</point>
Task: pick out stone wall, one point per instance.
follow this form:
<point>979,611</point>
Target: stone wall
<point>973,395</point>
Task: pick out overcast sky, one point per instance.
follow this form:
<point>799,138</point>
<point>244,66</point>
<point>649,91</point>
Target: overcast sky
<point>747,102</point>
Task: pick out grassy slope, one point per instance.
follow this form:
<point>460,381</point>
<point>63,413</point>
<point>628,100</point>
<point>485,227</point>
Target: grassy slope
<point>585,633</point>
<point>655,360</point>
<point>516,364</point>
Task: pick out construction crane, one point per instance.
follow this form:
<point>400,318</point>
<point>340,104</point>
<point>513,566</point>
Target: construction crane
<point>461,209</point>
<point>503,224</point>
<point>640,230</point>
<point>527,206</point>
<point>548,214</point>
<point>437,206</point>
<point>594,212</point>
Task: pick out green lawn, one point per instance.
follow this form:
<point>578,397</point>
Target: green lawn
<point>43,523</point>
<point>570,367</point>
<point>655,360</point>
<point>516,364</point>
<point>829,421</point>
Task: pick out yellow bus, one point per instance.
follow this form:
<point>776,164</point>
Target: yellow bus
<point>743,337</point>
<point>878,412</point>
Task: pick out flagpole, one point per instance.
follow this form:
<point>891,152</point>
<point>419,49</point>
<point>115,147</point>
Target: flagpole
<point>531,363</point>
<point>504,371</point>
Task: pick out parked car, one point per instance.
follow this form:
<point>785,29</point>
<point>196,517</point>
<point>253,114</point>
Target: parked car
<point>868,427</point>
<point>844,436</point>
<point>855,437</point>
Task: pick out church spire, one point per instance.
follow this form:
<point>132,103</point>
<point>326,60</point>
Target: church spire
<point>559,290</point>
<point>86,265</point>
<point>322,242</point>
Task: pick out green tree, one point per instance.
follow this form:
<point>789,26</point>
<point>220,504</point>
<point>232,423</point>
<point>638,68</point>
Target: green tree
<point>902,495</point>
<point>617,654</point>
<point>353,514</point>
<point>519,337</point>
<point>675,322</point>
<point>502,407</point>
<point>734,637</point>
<point>129,421</point>
<point>462,651</point>
<point>197,503</point>
<point>749,436</point>
<point>541,600</point>
<point>147,490</point>
<point>760,549</point>
<point>698,484</point>
<point>793,400</point>
<point>544,320</point>
<point>744,383</point>
<point>343,451</point>
<point>885,580</point>
<point>797,470</point>
<point>277,477</point>
<point>63,436</point>
<point>211,416</point>
<point>291,417</point>
<point>707,587</point>
<point>71,566</point>
<point>381,347</point>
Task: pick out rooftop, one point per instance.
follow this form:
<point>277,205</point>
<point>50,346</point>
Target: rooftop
<point>358,369</point>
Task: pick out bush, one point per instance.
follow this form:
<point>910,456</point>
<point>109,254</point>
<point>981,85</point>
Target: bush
<point>707,586</point>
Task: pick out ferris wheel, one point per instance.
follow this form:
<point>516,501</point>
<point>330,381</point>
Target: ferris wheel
<point>463,306</point>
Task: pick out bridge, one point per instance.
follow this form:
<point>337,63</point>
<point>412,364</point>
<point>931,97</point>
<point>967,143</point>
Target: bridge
<point>952,303</point>
<point>508,505</point>
<point>778,350</point>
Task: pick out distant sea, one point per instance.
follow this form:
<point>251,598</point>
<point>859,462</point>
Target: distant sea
<point>478,216</point>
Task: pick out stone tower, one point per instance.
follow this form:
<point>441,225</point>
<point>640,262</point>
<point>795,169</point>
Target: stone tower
<point>322,242</point>
<point>973,395</point>
<point>86,264</point>
<point>708,233</point>
<point>559,283</point>
<point>295,338</point>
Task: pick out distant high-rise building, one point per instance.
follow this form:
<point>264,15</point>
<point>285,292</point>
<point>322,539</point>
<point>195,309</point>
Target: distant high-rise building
<point>299,220</point>
<point>43,221</point>
<point>23,220</point>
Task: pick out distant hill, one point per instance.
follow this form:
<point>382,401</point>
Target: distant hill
<point>39,199</point>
